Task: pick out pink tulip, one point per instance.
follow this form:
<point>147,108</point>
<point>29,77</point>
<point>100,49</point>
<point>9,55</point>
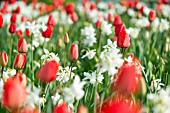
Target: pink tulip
<point>20,61</point>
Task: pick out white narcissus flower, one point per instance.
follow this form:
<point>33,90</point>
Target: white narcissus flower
<point>93,77</point>
<point>156,85</point>
<point>133,32</point>
<point>8,73</point>
<point>64,74</point>
<point>155,25</point>
<point>143,22</point>
<point>89,33</point>
<point>106,28</point>
<point>164,25</point>
<point>166,10</point>
<point>55,98</point>
<point>131,12</point>
<point>129,59</point>
<point>75,91</point>
<point>90,54</point>
<point>1,88</point>
<point>120,9</point>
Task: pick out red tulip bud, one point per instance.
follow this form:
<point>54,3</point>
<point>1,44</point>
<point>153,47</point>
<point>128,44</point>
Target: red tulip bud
<point>93,6</point>
<point>13,18</point>
<point>69,8</point>
<point>110,5</point>
<point>98,23</point>
<point>23,18</point>
<point>1,20</point>
<point>28,32</point>
<point>128,77</point>
<point>74,17</point>
<point>17,10</point>
<point>82,109</point>
<point>14,94</point>
<point>117,20</point>
<point>51,20</point>
<point>20,61</point>
<point>22,78</point>
<point>48,32</point>
<point>22,45</point>
<point>152,15</point>
<point>3,59</point>
<point>48,71</point>
<point>62,108</point>
<point>123,39</point>
<point>142,8</point>
<point>12,28</point>
<point>74,52</point>
<point>118,28</point>
<point>19,33</point>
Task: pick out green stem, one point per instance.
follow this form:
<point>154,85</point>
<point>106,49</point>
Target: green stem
<point>99,43</point>
<point>95,91</point>
<point>2,71</point>
<point>32,59</point>
<point>65,55</point>
<point>11,47</point>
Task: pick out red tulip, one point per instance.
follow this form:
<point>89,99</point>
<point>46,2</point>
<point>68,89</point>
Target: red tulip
<point>28,32</point>
<point>48,32</point>
<point>117,20</point>
<point>62,108</point>
<point>82,109</point>
<point>19,33</point>
<point>119,105</point>
<point>12,1</point>
<point>13,18</point>
<point>74,53</point>
<point>22,45</point>
<point>98,23</point>
<point>51,20</point>
<point>3,59</point>
<point>14,93</point>
<point>118,28</point>
<point>152,15</point>
<point>4,7</point>
<point>142,8</point>
<point>48,71</point>
<point>20,61</point>
<point>110,17</point>
<point>1,20</point>
<point>164,1</point>
<point>12,28</point>
<point>17,10</point>
<point>128,77</point>
<point>23,18</point>
<point>123,39</point>
<point>22,78</point>
<point>58,3</point>
<point>110,5</point>
<point>93,6</point>
<point>74,17</point>
<point>69,8</point>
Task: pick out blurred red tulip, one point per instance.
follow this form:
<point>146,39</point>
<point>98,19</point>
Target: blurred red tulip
<point>123,39</point>
<point>142,8</point>
<point>51,20</point>
<point>22,45</point>
<point>12,1</point>
<point>128,77</point>
<point>58,3</point>
<point>164,1</point>
<point>118,28</point>
<point>4,7</point>
<point>69,8</point>
<point>48,71</point>
<point>3,59</point>
<point>74,53</point>
<point>98,23</point>
<point>12,28</point>
<point>110,5</point>
<point>23,18</point>
<point>22,78</point>
<point>17,10</point>
<point>74,17</point>
<point>1,20</point>
<point>110,17</point>
<point>82,109</point>
<point>117,20</point>
<point>93,6</point>
<point>48,32</point>
<point>28,32</point>
<point>62,108</point>
<point>20,61</point>
<point>13,18</point>
<point>152,15</point>
<point>119,105</point>
<point>19,33</point>
<point>26,110</point>
<point>14,93</point>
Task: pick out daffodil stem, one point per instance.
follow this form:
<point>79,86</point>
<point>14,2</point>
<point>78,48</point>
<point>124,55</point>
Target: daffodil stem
<point>32,58</point>
<point>95,91</point>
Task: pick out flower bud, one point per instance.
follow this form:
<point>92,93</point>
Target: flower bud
<point>23,18</point>
<point>118,28</point>
<point>19,33</point>
<point>117,20</point>
<point>12,28</point>
<point>98,23</point>
<point>48,32</point>
<point>60,42</point>
<point>110,5</point>
<point>69,8</point>
<point>74,53</point>
<point>152,15</point>
<point>13,18</point>
<point>12,1</point>
<point>93,6</point>
<point>82,109</point>
<point>74,17</point>
<point>62,108</point>
<point>22,45</point>
<point>27,32</point>
<point>51,20</point>
<point>1,20</point>
<point>20,61</point>
<point>48,71</point>
<point>66,38</point>
<point>3,59</point>
<point>17,10</point>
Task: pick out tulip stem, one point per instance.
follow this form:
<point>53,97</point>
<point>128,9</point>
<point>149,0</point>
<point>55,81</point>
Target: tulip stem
<point>123,52</point>
<point>32,58</point>
<point>2,71</point>
<point>11,47</point>
<point>72,64</point>
<point>65,55</point>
